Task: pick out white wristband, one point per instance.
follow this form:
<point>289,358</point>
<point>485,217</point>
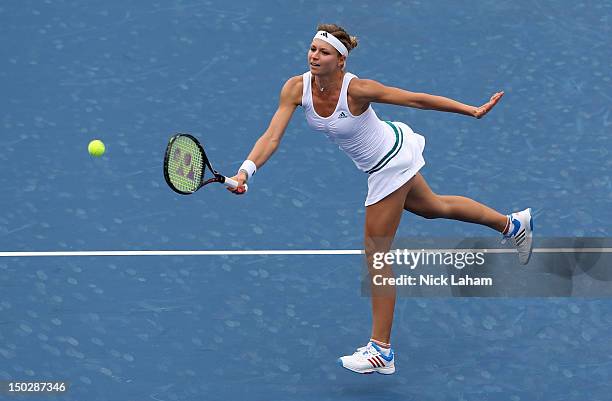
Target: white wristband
<point>249,168</point>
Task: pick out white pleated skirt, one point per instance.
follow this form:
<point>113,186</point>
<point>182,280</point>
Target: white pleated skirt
<point>400,168</point>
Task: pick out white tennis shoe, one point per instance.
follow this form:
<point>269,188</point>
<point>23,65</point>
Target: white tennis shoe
<point>369,359</point>
<point>522,234</point>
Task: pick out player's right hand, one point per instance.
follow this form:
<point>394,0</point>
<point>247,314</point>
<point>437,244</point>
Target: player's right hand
<point>240,189</point>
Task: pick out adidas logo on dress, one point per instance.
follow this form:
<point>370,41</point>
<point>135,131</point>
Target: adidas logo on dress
<point>342,115</point>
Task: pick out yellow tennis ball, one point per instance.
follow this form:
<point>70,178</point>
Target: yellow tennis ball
<point>96,148</point>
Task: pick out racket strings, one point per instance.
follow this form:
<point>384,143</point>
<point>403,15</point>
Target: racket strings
<point>185,164</point>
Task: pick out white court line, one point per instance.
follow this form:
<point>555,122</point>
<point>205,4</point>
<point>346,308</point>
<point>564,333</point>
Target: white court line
<point>184,253</point>
<point>282,252</point>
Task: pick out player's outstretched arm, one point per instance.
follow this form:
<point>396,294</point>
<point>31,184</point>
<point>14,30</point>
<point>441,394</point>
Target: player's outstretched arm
<point>372,91</point>
<point>268,142</point>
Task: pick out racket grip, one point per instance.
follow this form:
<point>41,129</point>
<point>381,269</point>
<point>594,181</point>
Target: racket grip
<point>233,184</point>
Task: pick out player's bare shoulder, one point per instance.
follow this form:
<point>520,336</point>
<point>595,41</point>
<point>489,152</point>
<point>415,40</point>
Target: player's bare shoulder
<point>292,90</point>
<point>363,89</point>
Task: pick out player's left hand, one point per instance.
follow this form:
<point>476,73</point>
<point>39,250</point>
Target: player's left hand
<point>479,112</point>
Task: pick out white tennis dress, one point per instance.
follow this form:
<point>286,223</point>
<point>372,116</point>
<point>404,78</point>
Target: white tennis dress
<point>390,152</point>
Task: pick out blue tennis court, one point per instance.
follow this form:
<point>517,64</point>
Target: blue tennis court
<point>270,327</point>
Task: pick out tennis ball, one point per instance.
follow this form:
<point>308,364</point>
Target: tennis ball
<point>96,148</point>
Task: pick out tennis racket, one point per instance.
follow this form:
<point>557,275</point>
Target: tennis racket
<point>185,164</point>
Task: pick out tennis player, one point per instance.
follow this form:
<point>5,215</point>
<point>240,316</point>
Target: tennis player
<point>340,105</point>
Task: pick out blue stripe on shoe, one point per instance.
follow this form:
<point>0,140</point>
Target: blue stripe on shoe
<point>516,224</point>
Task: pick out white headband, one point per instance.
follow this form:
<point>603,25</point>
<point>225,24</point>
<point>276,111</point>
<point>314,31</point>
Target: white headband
<point>332,40</point>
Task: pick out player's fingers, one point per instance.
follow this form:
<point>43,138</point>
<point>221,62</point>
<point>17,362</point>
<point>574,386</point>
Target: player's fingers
<point>239,190</point>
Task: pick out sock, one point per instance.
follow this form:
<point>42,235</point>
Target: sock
<point>385,348</point>
<point>507,229</point>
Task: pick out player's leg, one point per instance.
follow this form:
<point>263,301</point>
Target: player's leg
<point>423,201</point>
<point>381,222</point>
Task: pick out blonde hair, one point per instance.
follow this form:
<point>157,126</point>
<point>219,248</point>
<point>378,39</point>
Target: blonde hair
<point>341,34</point>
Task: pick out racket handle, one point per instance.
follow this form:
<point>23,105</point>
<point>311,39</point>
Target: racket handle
<point>233,184</point>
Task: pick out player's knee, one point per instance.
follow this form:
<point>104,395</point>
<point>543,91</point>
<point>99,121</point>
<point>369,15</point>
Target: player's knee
<point>374,245</point>
<point>371,247</point>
